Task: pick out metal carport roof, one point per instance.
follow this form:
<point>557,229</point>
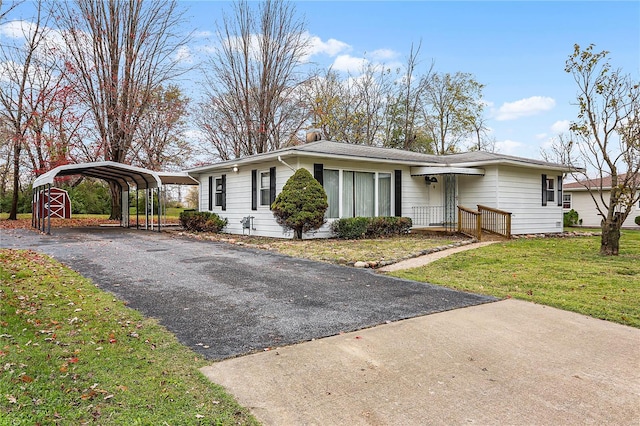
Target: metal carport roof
<point>123,174</point>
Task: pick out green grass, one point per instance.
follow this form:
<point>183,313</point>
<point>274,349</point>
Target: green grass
<point>567,273</point>
<point>73,354</point>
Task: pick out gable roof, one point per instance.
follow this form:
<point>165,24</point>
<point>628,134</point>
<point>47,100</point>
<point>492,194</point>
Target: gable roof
<point>596,183</point>
<point>339,150</point>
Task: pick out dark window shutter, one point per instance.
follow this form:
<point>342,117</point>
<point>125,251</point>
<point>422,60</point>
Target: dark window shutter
<point>544,190</point>
<point>211,189</point>
<point>318,172</point>
<point>254,190</point>
<point>398,193</point>
<point>559,190</point>
<point>224,192</point>
<point>272,186</point>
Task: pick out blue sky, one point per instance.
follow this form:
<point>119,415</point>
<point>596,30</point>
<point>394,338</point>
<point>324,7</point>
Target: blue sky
<point>517,49</point>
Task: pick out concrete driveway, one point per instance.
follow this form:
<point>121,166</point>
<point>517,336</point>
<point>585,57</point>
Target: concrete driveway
<point>223,300</point>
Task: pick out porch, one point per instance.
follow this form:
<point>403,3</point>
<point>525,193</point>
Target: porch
<point>483,223</point>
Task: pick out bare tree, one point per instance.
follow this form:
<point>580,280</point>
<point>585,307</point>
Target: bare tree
<point>452,105</point>
<point>19,61</point>
<point>252,78</point>
<point>121,52</point>
<point>605,138</point>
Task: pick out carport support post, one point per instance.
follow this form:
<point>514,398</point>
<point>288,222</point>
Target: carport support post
<point>33,207</point>
<point>48,210</point>
<point>137,209</point>
<point>159,207</point>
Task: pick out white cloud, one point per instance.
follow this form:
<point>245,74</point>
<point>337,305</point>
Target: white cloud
<point>525,107</point>
<point>383,55</point>
<point>331,47</point>
<point>202,34</point>
<point>561,126</point>
<point>348,63</point>
<point>541,136</point>
<point>183,54</point>
<point>15,29</point>
<point>509,147</point>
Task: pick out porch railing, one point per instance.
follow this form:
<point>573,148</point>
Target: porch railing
<point>495,221</point>
<point>488,219</point>
<point>428,215</point>
<point>470,222</point>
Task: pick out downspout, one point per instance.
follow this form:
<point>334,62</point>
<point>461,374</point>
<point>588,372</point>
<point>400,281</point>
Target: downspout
<point>285,163</point>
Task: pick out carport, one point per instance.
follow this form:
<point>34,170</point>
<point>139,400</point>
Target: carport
<point>127,178</point>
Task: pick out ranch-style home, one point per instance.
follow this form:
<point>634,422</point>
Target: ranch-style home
<point>576,196</point>
<point>509,194</point>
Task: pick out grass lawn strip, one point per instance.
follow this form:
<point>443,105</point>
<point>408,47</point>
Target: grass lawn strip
<point>73,354</point>
<point>566,273</point>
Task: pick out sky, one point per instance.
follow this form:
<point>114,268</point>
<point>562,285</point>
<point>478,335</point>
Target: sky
<point>517,49</point>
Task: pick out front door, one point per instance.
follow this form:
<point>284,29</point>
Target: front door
<point>449,201</point>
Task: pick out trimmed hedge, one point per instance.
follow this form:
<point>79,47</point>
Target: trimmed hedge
<point>637,220</point>
<point>196,221</point>
<point>353,228</point>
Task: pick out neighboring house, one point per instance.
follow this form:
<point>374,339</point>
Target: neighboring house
<point>576,196</point>
<point>369,181</point>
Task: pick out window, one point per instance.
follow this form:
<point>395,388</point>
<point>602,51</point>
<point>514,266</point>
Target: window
<point>219,191</point>
<point>358,194</point>
<point>264,188</point>
<point>550,190</point>
<point>331,187</point>
<point>566,201</point>
<point>384,194</point>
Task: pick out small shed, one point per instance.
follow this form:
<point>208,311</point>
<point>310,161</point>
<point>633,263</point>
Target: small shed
<point>53,200</point>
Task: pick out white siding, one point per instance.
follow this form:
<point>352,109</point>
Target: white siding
<point>515,190</point>
<point>582,203</point>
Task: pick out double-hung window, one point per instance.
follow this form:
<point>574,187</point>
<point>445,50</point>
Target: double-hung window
<point>264,188</point>
<point>219,191</point>
<point>566,201</point>
<point>550,190</point>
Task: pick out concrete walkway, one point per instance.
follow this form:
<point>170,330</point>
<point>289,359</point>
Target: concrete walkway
<point>431,257</point>
<point>510,362</point>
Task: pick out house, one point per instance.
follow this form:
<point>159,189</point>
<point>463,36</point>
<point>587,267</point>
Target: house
<point>370,181</point>
<point>576,196</point>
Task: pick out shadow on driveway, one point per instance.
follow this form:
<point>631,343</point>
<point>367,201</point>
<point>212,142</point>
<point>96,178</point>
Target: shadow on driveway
<point>223,300</point>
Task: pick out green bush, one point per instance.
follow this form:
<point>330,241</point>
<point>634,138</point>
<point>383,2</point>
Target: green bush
<point>195,221</point>
<point>570,218</point>
<point>351,228</point>
<point>370,227</point>
<point>89,197</point>
<point>637,220</point>
<point>301,204</point>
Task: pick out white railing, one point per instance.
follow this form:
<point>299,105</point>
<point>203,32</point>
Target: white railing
<point>428,215</point>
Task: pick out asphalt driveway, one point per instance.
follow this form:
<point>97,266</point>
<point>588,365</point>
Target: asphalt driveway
<point>224,300</point>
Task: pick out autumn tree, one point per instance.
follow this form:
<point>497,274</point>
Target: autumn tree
<point>19,61</point>
<point>159,141</point>
<point>605,138</point>
<point>452,104</point>
<point>252,104</point>
<point>121,52</point>
<point>404,126</point>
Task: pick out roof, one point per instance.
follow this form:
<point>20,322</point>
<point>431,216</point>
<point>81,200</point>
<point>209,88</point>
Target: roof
<point>341,150</point>
<point>596,183</point>
<point>123,174</point>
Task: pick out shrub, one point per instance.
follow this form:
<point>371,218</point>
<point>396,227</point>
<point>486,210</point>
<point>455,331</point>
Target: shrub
<point>351,228</point>
<point>637,220</point>
<point>570,218</point>
<point>301,204</point>
<point>195,221</point>
<point>370,227</point>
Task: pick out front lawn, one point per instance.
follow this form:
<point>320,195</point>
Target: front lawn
<point>73,354</point>
<point>567,273</point>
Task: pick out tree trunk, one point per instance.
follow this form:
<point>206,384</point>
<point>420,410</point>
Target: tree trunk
<point>116,201</point>
<point>13,214</point>
<point>610,240</point>
<point>297,234</point>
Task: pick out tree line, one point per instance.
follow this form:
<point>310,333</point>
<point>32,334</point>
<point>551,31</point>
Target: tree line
<point>92,80</point>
